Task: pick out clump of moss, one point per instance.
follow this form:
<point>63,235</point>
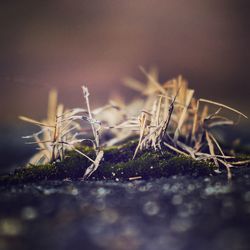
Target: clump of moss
<point>116,165</point>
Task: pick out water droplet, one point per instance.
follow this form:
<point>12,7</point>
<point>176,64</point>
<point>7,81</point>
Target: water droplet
<point>166,188</point>
<point>191,187</point>
<point>102,192</point>
<point>151,208</point>
<point>10,227</point>
<point>177,199</point>
<point>74,191</point>
<point>247,196</point>
<point>180,225</point>
<point>28,213</point>
<point>110,216</point>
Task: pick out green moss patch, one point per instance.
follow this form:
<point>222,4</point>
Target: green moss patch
<point>116,165</point>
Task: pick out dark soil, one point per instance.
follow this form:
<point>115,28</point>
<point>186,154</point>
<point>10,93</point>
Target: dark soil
<point>176,213</point>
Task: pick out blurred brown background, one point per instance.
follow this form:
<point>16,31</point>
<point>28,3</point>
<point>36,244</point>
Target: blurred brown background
<point>64,44</point>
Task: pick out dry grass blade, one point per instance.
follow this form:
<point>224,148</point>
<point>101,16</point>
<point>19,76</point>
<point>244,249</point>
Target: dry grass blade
<point>170,112</point>
<point>175,149</point>
<point>195,119</point>
<point>93,167</point>
<point>134,178</point>
<point>188,97</point>
<point>211,148</point>
<point>81,153</point>
<point>240,162</point>
<point>220,123</point>
<point>158,111</point>
<point>52,106</point>
<point>186,148</point>
<point>94,130</point>
<point>223,106</point>
<point>153,81</point>
<point>29,120</point>
<point>209,156</point>
<point>228,168</point>
<point>217,144</point>
<point>134,84</point>
<point>148,137</point>
<point>142,122</point>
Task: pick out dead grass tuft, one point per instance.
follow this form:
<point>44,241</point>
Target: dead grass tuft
<point>166,116</point>
<point>60,132</point>
<point>179,121</point>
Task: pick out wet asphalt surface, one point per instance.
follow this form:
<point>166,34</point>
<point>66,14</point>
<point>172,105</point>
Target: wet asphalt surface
<point>177,213</point>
